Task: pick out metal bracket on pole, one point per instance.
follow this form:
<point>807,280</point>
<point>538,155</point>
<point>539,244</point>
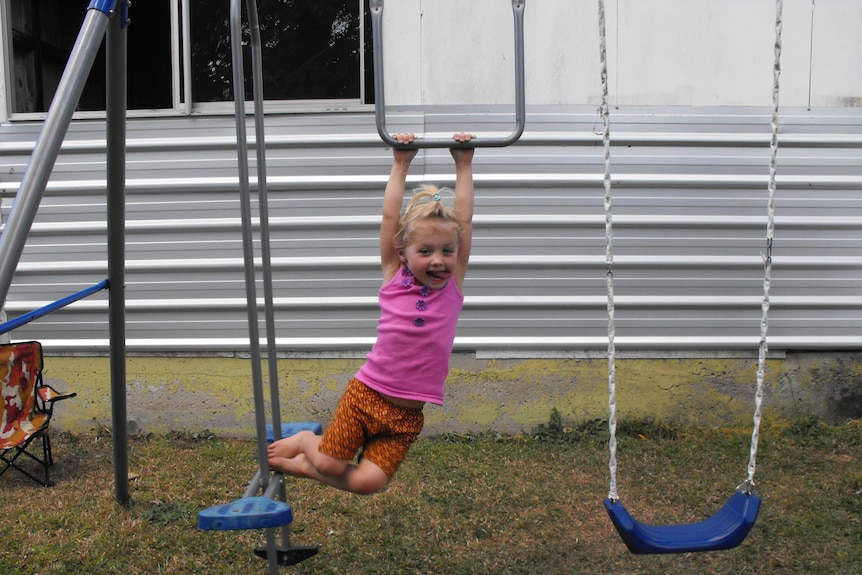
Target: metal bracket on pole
<point>124,13</point>
<point>478,142</point>
<point>106,6</point>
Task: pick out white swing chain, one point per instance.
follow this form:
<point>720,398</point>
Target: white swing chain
<point>609,259</point>
<point>767,256</point>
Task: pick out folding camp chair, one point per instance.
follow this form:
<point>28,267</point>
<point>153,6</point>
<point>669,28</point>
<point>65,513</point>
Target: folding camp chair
<point>27,408</point>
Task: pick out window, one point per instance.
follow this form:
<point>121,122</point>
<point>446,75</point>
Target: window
<point>313,50</point>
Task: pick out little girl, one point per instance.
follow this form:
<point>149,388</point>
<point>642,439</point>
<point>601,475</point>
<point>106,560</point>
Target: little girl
<point>424,253</point>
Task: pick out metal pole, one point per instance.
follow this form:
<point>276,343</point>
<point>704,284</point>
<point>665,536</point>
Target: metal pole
<point>48,144</point>
<point>248,238</point>
<point>266,256</point>
<point>116,70</point>
<point>263,210</point>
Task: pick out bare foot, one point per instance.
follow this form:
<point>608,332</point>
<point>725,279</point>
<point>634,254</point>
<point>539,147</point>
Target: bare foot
<point>297,466</point>
<point>287,447</point>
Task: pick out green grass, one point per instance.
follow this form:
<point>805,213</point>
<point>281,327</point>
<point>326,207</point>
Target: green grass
<point>461,504</point>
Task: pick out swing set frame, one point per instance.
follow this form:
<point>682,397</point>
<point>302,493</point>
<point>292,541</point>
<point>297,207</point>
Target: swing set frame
<point>264,504</point>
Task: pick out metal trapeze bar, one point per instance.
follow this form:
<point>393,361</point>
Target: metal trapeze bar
<point>477,142</point>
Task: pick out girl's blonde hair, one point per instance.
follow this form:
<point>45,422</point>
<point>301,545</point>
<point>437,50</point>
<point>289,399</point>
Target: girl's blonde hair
<point>427,202</point>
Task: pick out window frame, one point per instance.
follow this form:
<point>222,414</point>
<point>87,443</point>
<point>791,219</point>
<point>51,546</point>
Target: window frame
<point>182,101</point>
<point>5,65</point>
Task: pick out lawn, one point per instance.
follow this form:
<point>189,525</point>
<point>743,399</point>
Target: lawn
<point>461,504</point>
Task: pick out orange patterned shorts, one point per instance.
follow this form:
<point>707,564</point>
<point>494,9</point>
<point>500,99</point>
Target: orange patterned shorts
<point>365,419</point>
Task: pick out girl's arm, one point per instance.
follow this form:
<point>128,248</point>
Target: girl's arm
<point>463,202</point>
<point>393,198</point>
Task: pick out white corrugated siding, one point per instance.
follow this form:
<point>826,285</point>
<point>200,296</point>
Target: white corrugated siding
<point>689,217</point>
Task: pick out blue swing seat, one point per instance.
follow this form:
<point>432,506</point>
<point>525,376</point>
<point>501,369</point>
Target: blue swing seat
<point>292,428</point>
<point>724,530</point>
<point>246,513</point>
<point>255,512</point>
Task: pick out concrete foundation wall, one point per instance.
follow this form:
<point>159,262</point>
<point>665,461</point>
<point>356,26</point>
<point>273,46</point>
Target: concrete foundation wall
<point>506,395</point>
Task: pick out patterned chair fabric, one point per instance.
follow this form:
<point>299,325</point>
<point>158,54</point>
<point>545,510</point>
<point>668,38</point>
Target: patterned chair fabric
<point>26,411</point>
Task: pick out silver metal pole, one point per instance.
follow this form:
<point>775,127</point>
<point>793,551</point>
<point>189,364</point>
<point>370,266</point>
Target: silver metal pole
<point>478,142</point>
<point>266,260</point>
<point>248,258</point>
<point>263,210</point>
<point>116,71</point>
<point>48,145</point>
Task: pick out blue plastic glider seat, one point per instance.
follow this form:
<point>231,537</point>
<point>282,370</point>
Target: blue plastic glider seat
<point>246,513</point>
<point>724,530</point>
<point>294,427</point>
<point>254,512</point>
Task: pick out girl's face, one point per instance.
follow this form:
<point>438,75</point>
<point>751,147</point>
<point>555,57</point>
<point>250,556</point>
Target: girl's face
<point>431,253</point>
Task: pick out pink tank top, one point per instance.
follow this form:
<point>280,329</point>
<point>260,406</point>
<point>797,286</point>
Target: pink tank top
<point>410,358</point>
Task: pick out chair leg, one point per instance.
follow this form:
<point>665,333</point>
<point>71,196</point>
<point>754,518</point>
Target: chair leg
<point>45,462</point>
<point>11,463</point>
<point>46,448</point>
<point>47,457</point>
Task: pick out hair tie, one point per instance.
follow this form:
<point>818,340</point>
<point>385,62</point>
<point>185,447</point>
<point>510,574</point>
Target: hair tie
<point>436,197</point>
